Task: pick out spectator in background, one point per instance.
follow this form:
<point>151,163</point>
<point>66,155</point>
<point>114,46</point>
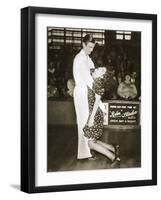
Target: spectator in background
<point>127,90</point>
<point>119,80</point>
<point>133,77</point>
<point>118,69</point>
<point>53,91</point>
<point>52,88</point>
<point>113,94</point>
<point>51,74</point>
<point>110,84</point>
<point>70,86</point>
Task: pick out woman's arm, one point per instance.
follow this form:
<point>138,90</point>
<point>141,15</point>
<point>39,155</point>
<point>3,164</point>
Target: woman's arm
<point>95,107</point>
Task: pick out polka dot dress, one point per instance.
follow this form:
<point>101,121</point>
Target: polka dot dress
<point>95,132</point>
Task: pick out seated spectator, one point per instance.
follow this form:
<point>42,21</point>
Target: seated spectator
<point>110,84</point>
<point>119,78</point>
<point>126,89</point>
<point>114,86</point>
<point>133,77</point>
<point>53,91</point>
<point>70,86</point>
<point>51,74</point>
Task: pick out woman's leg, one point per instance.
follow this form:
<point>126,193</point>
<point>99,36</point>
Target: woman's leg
<point>108,146</point>
<point>101,149</point>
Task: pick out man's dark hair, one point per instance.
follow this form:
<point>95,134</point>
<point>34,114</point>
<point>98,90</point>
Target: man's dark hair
<point>88,38</point>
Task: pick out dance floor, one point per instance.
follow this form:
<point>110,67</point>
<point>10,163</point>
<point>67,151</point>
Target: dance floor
<point>62,149</point>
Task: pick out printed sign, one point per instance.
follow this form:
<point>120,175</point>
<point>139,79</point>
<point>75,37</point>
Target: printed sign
<point>123,114</point>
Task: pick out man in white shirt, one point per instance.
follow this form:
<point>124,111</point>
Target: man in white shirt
<point>83,79</point>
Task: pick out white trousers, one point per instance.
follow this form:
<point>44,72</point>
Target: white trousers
<point>82,113</point>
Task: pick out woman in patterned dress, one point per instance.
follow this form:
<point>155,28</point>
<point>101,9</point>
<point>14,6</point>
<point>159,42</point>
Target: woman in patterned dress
<point>93,129</point>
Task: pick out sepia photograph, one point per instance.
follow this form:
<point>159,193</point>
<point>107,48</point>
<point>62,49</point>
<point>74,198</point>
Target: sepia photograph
<point>93,99</point>
<point>89,91</point>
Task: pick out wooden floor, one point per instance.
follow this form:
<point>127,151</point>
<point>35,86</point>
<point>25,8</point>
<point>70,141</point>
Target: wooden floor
<point>62,149</point>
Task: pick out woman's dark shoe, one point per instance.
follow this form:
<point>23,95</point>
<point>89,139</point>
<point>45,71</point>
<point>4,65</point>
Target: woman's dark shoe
<point>117,150</point>
<point>117,160</point>
<point>92,158</point>
<point>116,163</point>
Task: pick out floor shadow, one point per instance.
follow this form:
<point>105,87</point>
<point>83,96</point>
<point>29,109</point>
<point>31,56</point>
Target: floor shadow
<point>15,186</point>
<point>62,149</point>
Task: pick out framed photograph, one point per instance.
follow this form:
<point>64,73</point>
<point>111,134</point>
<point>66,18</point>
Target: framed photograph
<point>88,99</point>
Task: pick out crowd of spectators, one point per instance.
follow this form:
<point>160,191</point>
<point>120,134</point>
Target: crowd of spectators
<point>123,81</point>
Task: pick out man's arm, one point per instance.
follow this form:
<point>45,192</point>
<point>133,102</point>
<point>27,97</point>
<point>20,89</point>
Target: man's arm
<point>85,74</point>
<point>82,72</point>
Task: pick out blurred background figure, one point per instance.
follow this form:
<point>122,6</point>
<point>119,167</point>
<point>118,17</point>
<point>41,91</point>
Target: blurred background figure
<point>53,91</point>
<point>111,84</point>
<point>133,77</point>
<point>70,86</point>
<point>126,89</point>
<point>51,73</point>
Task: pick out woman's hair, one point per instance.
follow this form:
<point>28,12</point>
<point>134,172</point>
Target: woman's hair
<point>88,38</point>
<point>104,76</point>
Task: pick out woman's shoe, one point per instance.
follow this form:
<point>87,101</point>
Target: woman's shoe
<point>116,163</point>
<point>117,150</point>
<point>117,160</point>
<point>92,158</point>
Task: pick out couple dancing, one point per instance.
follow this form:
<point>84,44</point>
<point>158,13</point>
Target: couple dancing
<point>89,87</point>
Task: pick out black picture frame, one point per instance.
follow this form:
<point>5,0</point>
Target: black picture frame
<point>28,98</point>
